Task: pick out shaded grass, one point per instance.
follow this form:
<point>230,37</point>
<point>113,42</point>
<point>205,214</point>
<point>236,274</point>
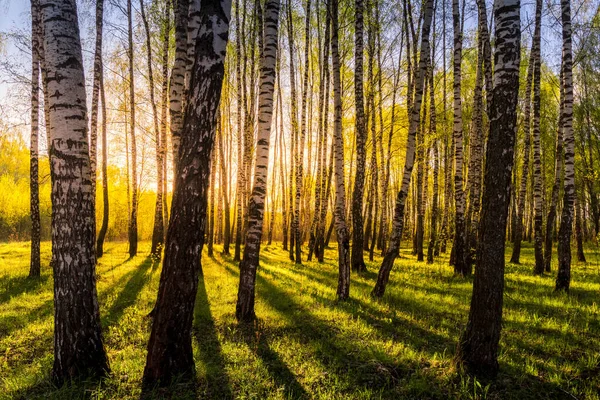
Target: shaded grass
<point>305,344</point>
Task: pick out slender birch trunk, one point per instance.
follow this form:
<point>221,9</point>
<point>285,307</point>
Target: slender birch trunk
<point>78,348</point>
<point>158,230</point>
<point>558,167</point>
<point>341,228</point>
<point>477,349</point>
<point>98,90</point>
<point>461,264</point>
<point>294,201</point>
<point>431,249</point>
<point>133,228</point>
<point>520,204</point>
<point>537,163</point>
<point>224,194</point>
<point>105,201</point>
<point>34,186</point>
<point>358,263</point>
<point>300,155</point>
<point>241,173</point>
<point>170,347</point>
<point>268,58</point>
<point>415,119</point>
<point>563,278</point>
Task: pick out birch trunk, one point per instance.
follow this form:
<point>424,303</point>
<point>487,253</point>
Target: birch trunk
<point>341,228</point>
<point>246,291</point>
<point>105,202</point>
<point>99,81</point>
<point>563,278</point>
<point>520,203</point>
<point>158,230</point>
<point>294,201</point>
<point>477,350</point>
<point>358,263</point>
<point>558,167</point>
<point>241,173</point>
<point>170,347</point>
<point>398,221</point>
<point>133,229</point>
<point>431,249</point>
<point>78,347</point>
<point>34,186</point>
<point>461,264</point>
<point>177,83</point>
<point>537,163</point>
<point>300,159</point>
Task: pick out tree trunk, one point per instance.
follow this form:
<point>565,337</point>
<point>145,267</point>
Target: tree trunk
<point>478,346</point>
<point>293,207</point>
<point>341,228</point>
<point>558,166</point>
<point>244,311</point>
<point>433,134</point>
<point>398,221</point>
<point>133,230</point>
<point>537,163</point>
<point>170,347</point>
<point>579,232</point>
<point>358,263</point>
<point>105,204</point>
<point>461,264</point>
<point>300,155</point>
<point>518,226</point>
<point>36,38</point>
<point>177,84</point>
<point>99,76</point>
<point>78,347</point>
<point>315,237</point>
<point>158,230</point>
<point>240,185</point>
<point>563,278</point>
<point>225,194</point>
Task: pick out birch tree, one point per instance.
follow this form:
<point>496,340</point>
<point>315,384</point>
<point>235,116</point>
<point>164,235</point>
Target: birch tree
<point>34,187</point>
<point>133,226</point>
<point>537,163</point>
<point>415,118</point>
<point>341,228</point>
<point>158,230</point>
<point>461,264</point>
<point>563,278</point>
<point>249,264</point>
<point>478,345</point>
<point>78,346</point>
<point>177,84</point>
<point>99,76</point>
<point>170,346</point>
<point>358,263</point>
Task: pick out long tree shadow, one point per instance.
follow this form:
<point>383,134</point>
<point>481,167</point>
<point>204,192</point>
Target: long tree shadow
<point>390,324</point>
<point>254,337</point>
<point>279,371</point>
<point>128,295</point>
<point>367,368</point>
<point>205,333</point>
<point>16,286</point>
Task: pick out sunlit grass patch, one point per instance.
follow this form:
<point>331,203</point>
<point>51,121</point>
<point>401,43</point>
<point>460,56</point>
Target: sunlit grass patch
<point>306,344</point>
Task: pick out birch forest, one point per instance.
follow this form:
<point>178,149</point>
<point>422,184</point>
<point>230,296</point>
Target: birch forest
<point>300,199</point>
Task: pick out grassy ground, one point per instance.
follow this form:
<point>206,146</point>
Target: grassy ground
<point>305,344</point>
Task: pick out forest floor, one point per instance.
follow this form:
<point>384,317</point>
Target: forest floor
<point>307,345</point>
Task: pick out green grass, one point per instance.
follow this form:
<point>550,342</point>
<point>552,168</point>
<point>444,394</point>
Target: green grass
<point>307,345</point>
